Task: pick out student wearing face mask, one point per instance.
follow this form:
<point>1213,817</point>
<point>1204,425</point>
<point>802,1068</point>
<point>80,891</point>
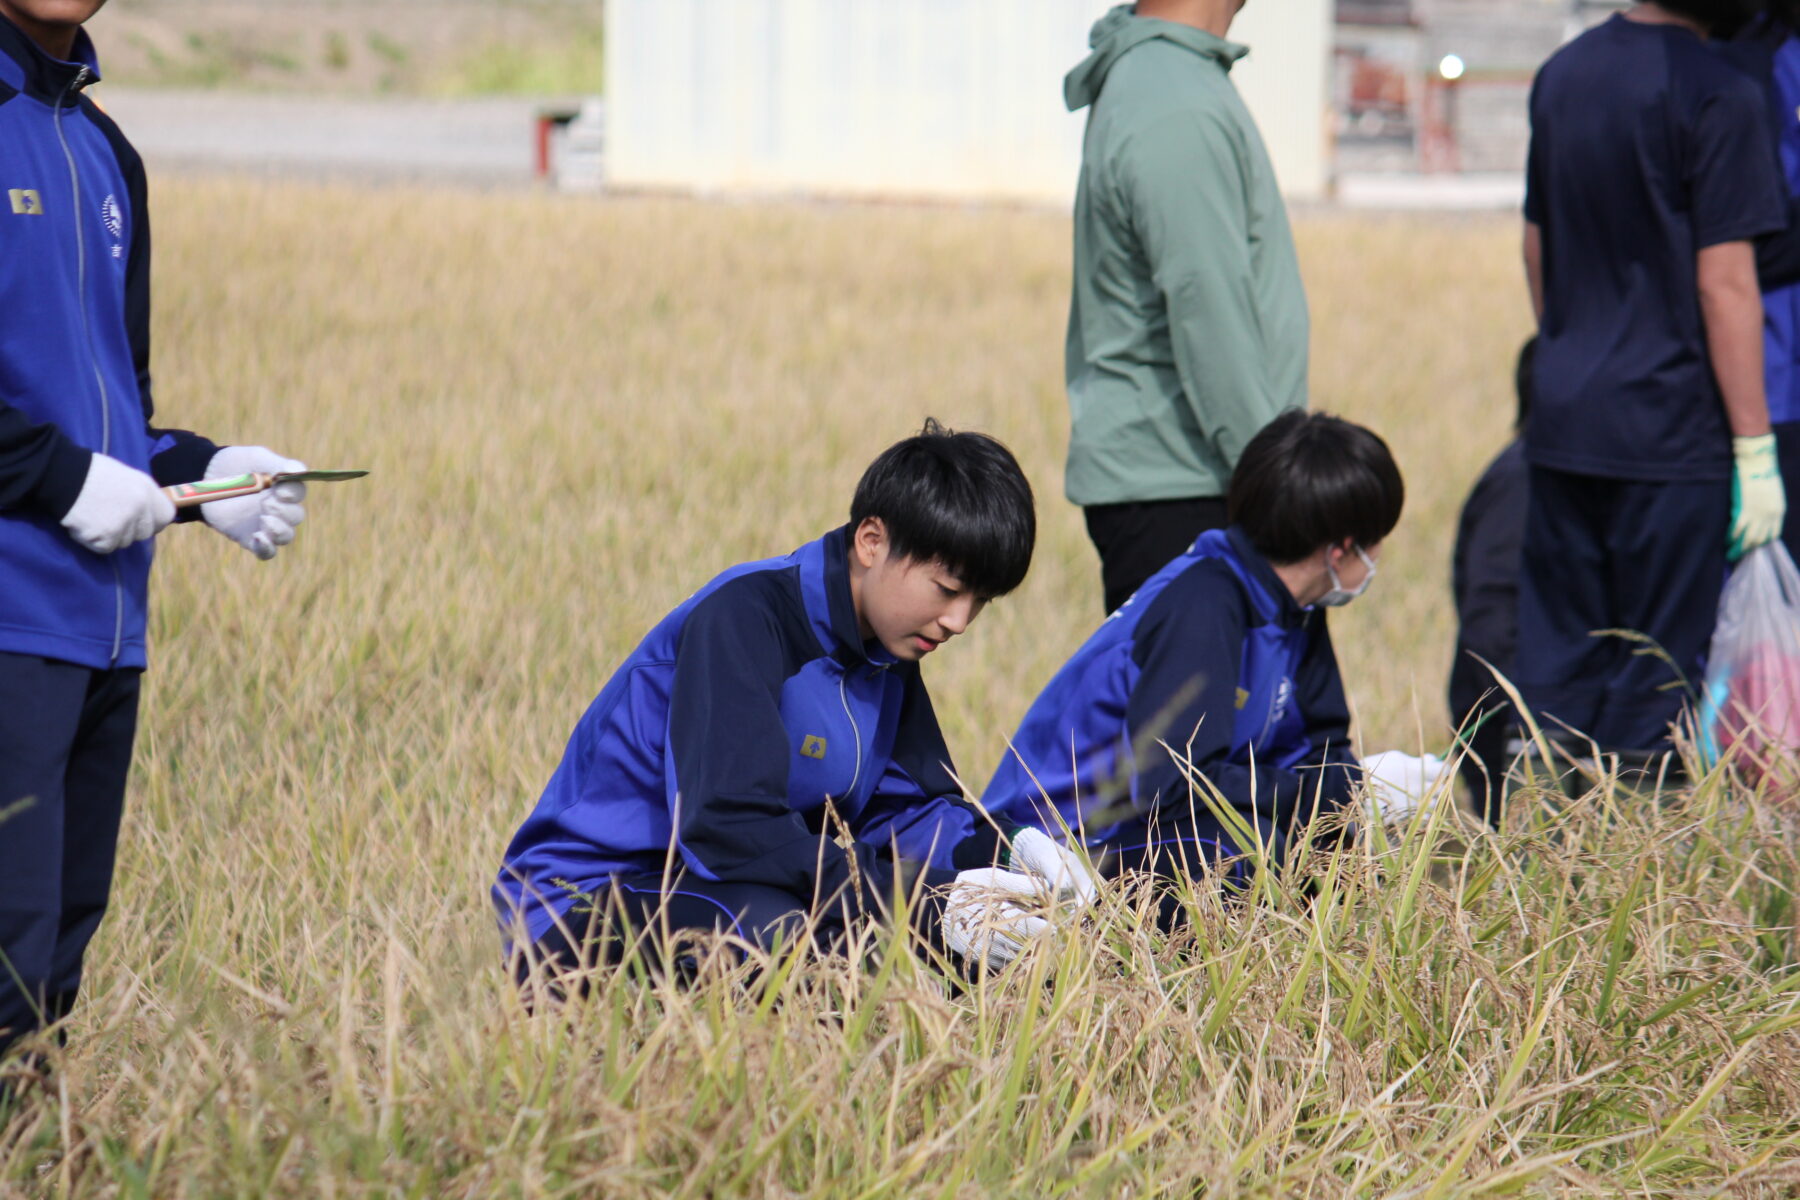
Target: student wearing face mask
<point>1223,661</point>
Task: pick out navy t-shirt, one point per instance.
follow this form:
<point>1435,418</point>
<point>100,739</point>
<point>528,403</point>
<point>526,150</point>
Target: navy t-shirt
<point>1646,147</point>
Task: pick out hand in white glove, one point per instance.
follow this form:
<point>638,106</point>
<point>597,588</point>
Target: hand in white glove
<point>117,505</point>
<point>262,522</point>
<point>983,919</point>
<point>1400,784</point>
<point>1037,852</point>
<point>1758,503</point>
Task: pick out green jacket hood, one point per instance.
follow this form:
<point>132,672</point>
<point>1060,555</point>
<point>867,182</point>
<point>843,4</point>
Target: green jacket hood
<point>1119,31</point>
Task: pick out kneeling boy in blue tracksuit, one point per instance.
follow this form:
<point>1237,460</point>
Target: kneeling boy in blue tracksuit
<point>1222,661</point>
<point>1490,537</point>
<point>711,784</point>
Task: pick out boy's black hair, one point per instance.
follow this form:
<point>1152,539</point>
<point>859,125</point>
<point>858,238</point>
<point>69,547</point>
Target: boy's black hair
<point>1522,384</point>
<point>1721,18</point>
<point>1309,480</point>
<point>1781,16</point>
<point>955,498</point>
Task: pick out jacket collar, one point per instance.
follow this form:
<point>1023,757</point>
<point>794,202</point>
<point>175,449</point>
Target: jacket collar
<point>830,608</point>
<point>25,67</point>
<point>1120,31</point>
<point>1277,602</point>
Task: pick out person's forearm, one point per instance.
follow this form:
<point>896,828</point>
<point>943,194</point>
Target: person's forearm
<point>1731,305</point>
<point>1534,269</point>
<point>1333,776</point>
<point>41,469</point>
<point>1221,360</point>
<point>1266,790</point>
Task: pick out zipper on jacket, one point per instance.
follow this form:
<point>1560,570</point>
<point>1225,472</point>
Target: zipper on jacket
<point>855,732</point>
<point>87,329</point>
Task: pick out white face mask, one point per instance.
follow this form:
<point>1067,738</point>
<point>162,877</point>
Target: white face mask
<point>1339,595</point>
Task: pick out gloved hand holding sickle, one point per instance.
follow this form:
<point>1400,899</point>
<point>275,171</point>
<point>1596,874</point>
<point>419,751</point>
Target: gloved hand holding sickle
<point>257,525</point>
<point>253,496</point>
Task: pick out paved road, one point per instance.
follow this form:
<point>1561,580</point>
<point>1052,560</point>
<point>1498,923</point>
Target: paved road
<point>1473,192</point>
<point>476,141</point>
<point>491,142</point>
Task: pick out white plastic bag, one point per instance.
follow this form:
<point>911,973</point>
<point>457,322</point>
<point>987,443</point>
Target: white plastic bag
<point>1751,707</point>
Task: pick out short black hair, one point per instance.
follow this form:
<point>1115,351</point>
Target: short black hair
<point>1523,386</point>
<point>955,498</point>
<point>1309,480</point>
<point>1778,19</point>
<point>1721,18</point>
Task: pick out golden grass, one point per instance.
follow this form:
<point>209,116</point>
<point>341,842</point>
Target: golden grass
<point>576,412</point>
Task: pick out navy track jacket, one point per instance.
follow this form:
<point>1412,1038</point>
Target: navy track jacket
<point>74,359</point>
<point>1212,657</point>
<point>716,746</point>
<point>1772,58</point>
<point>1484,579</point>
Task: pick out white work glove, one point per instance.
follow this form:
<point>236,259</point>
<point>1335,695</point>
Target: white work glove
<point>262,522</point>
<point>983,921</point>
<point>1037,852</point>
<point>1400,784</point>
<point>117,505</point>
<point>1758,501</point>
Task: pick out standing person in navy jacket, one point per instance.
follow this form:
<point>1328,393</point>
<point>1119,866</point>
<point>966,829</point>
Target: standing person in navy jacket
<point>1770,52</point>
<point>81,472</point>
<point>1649,179</point>
<point>711,784</point>
<point>1484,578</point>
<point>1222,662</point>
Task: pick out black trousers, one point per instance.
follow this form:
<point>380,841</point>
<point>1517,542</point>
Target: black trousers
<point>1618,554</point>
<point>651,912</point>
<point>1478,704</point>
<point>65,749</point>
<point>1787,450</point>
<point>1173,846</point>
<point>1137,540</point>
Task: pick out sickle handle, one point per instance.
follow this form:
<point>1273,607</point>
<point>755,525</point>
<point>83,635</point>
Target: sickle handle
<point>186,495</point>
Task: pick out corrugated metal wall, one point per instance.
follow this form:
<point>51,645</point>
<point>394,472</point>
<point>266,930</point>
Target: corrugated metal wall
<point>951,98</point>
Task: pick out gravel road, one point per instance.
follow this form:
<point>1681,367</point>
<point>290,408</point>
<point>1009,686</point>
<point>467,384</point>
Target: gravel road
<point>472,141</point>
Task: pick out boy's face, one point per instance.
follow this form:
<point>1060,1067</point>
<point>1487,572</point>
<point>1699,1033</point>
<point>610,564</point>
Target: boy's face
<point>910,607</point>
<point>1353,570</point>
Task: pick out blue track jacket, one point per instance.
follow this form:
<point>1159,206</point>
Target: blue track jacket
<point>1776,65</point>
<point>715,747</point>
<point>1213,657</point>
<point>74,359</point>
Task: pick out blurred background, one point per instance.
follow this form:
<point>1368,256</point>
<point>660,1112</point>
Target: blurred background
<point>1382,103</point>
<point>503,254</point>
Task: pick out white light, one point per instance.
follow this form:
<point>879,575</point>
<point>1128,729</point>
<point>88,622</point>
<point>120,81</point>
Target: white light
<point>1450,67</point>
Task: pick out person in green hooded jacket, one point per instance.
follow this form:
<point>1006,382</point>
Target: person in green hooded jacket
<point>1187,325</point>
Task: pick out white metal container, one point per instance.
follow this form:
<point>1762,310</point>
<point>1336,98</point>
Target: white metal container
<point>926,98</point>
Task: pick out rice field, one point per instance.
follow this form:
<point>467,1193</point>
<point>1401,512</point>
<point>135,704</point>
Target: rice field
<point>575,412</point>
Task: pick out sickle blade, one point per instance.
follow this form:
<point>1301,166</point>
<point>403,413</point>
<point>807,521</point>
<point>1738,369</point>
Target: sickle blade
<point>317,476</point>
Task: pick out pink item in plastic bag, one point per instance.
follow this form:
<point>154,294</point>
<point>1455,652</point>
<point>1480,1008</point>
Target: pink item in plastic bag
<point>1751,707</point>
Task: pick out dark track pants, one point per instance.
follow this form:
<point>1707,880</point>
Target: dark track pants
<point>600,926</point>
<point>1477,703</point>
<point>1136,541</point>
<point>1787,449</point>
<point>1618,554</point>
<point>1174,847</point>
<point>65,749</point>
